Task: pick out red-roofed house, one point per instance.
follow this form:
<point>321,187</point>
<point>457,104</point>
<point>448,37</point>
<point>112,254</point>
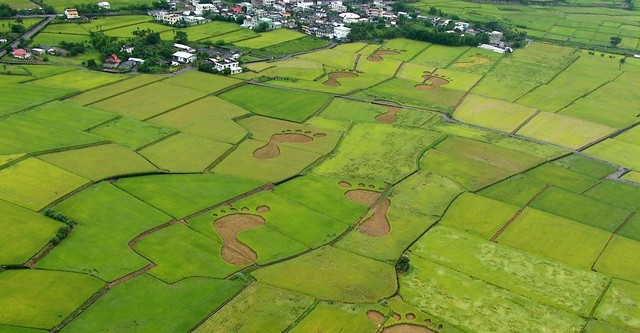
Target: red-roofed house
<point>237,10</point>
<point>21,54</point>
<point>111,62</point>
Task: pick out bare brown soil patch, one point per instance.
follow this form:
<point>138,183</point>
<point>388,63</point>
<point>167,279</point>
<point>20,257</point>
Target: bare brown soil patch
<point>407,328</point>
<point>410,316</point>
<point>432,83</point>
<point>390,116</point>
<point>475,60</point>
<point>233,251</point>
<point>344,184</point>
<point>375,316</point>
<point>263,209</point>
<point>272,149</point>
<point>377,56</point>
<point>396,316</point>
<point>377,225</point>
<point>362,196</point>
<point>334,76</point>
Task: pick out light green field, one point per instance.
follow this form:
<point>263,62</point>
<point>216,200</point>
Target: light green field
<point>408,48</point>
<point>336,317</point>
<point>425,193</point>
<point>282,103</point>
<point>241,162</point>
<point>79,80</point>
<point>20,4</point>
<point>336,58</point>
<point>63,114</point>
<point>326,195</point>
<point>181,195</point>
<point>632,176</point>
<point>492,113</point>
<point>29,232</point>
<point>345,109</point>
<point>26,133</point>
<point>476,61</point>
<point>405,226</point>
<point>620,259</point>
<point>620,305</point>
<point>234,36</point>
<point>332,274</point>
<point>184,153</point>
<point>13,99</point>
<point>439,56</point>
<point>34,184</point>
<point>446,293</point>
<point>40,298</point>
<point>307,227</point>
<point>202,81</point>
<point>478,215</point>
<point>616,194</point>
<point>180,252</point>
<point>617,151</point>
<point>209,117</point>
<point>581,209</point>
<point>547,282</point>
<point>358,160</point>
<point>98,244</point>
<point>54,39</point>
<point>127,31</point>
<point>100,162</point>
<point>132,133</point>
<point>248,313</point>
<point>585,166</point>
<point>145,304</point>
<point>562,130</point>
<point>119,87</point>
<point>270,38</point>
<point>563,177</point>
<point>165,97</point>
<point>555,238</point>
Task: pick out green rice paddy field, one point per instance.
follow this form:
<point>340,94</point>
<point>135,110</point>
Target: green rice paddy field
<point>431,189</point>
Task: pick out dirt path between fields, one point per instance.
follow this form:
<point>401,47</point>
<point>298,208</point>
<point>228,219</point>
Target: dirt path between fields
<point>517,214</point>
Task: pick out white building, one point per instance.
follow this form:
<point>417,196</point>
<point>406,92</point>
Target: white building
<point>171,19</point>
<point>185,48</point>
<point>338,7</point>
<point>193,20</point>
<point>495,37</point>
<point>349,17</point>
<point>104,5</point>
<point>268,3</point>
<point>71,13</point>
<point>222,64</point>
<point>205,7</point>
<point>183,57</point>
<point>341,32</point>
<point>495,48</point>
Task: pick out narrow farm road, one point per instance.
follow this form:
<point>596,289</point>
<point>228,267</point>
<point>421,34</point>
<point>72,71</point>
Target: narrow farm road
<point>30,33</point>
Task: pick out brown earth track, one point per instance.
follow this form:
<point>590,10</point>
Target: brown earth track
<point>377,56</point>
<point>233,251</point>
<point>333,77</point>
<point>272,149</point>
<point>389,117</point>
<point>375,316</point>
<point>407,328</point>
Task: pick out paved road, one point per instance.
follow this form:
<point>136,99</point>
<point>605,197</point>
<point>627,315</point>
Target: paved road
<point>30,33</point>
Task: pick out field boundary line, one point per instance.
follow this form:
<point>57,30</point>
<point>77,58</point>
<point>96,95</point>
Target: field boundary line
<point>231,87</point>
<point>266,187</point>
<point>63,149</point>
<point>149,144</point>
<point>599,300</point>
<point>300,318</point>
<point>68,195</point>
<point>91,128</point>
<point>173,108</point>
<point>395,74</point>
<point>106,85</point>
<point>223,304</point>
<point>323,107</point>
<point>454,59</point>
<point>563,69</point>
<point>355,64</point>
<point>418,53</point>
<point>526,121</point>
<point>328,155</point>
<point>517,214</point>
<point>615,232</point>
<point>81,309</point>
<point>466,93</point>
<point>226,153</point>
<point>589,92</point>
<point>609,136</point>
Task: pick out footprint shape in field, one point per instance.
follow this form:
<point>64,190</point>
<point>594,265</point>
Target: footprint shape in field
<point>376,225</point>
<point>378,318</point>
<point>230,225</point>
<point>333,77</point>
<point>391,116</point>
<point>272,149</point>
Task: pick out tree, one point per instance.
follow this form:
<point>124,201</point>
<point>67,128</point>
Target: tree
<point>226,71</point>
<point>622,60</point>
<point>18,28</point>
<point>262,27</point>
<point>615,40</point>
<point>181,37</point>
<point>91,64</point>
<point>403,264</point>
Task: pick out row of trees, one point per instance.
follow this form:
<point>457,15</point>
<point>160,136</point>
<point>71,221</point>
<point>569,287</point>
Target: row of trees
<point>415,31</point>
<point>7,11</point>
